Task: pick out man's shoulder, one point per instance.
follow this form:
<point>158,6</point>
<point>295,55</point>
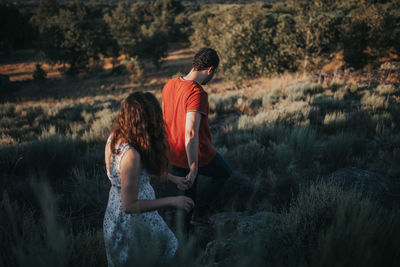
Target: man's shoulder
<point>170,82</point>
<point>189,87</point>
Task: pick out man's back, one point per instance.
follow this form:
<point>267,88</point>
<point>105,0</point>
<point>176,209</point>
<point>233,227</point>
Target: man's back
<point>180,96</point>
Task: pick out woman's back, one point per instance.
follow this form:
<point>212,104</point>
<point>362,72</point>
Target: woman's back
<point>122,230</point>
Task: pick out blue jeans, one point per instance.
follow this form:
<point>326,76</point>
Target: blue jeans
<point>219,171</point>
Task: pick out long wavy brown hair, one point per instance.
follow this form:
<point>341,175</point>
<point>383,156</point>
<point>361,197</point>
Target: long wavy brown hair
<point>140,123</point>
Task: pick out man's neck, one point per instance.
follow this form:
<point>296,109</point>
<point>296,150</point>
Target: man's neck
<point>193,75</point>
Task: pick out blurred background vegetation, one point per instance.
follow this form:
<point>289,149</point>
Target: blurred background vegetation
<point>304,89</point>
<point>279,35</point>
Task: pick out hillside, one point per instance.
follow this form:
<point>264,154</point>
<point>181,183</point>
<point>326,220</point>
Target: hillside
<point>279,134</point>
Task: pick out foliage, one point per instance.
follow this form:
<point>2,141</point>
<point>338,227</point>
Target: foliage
<point>244,38</point>
<point>259,40</point>
<point>71,35</point>
<point>325,221</point>
<point>142,30</point>
<point>39,73</point>
<point>16,32</point>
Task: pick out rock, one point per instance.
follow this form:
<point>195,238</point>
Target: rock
<point>238,230</point>
<point>377,185</point>
<point>225,223</point>
<point>260,220</point>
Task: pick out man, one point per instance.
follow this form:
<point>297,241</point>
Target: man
<point>185,110</point>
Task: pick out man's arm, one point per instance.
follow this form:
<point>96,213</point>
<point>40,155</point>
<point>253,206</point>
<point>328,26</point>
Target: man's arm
<point>192,127</point>
<point>130,172</point>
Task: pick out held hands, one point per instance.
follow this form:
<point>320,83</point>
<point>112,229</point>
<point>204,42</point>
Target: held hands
<point>190,178</point>
<point>179,181</point>
<point>182,202</point>
<point>183,183</point>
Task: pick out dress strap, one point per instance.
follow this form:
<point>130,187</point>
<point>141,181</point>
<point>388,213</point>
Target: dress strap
<point>122,149</point>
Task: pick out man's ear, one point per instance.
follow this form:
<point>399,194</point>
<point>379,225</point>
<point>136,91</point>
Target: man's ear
<point>210,69</point>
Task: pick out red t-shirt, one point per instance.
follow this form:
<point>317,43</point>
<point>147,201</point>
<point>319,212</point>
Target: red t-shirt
<point>179,97</point>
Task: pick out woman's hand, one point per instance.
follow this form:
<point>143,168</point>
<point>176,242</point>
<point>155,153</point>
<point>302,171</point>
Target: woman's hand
<point>190,178</point>
<point>182,202</point>
<point>179,181</point>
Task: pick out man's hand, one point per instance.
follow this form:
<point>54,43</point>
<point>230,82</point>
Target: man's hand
<point>179,181</point>
<point>190,178</point>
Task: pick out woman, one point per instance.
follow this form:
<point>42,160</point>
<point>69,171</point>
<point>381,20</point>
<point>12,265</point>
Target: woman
<point>135,150</point>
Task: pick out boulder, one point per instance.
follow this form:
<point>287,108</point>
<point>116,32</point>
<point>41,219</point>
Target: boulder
<point>233,231</point>
<point>380,187</point>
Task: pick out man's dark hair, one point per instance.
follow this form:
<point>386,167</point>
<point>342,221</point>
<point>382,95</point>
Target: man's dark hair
<point>205,58</point>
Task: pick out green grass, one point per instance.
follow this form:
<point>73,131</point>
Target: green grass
<point>277,138</point>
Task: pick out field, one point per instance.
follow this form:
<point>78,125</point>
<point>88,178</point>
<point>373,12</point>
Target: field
<point>281,133</point>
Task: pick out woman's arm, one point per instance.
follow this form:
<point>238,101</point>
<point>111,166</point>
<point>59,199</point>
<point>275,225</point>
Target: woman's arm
<point>130,169</point>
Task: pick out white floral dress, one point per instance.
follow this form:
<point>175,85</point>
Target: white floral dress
<point>128,236</point>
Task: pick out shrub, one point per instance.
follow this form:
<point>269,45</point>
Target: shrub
<point>284,158</point>
<point>386,89</point>
<point>303,141</point>
<point>251,156</point>
<point>335,121</point>
<point>101,126</point>
<point>374,102</point>
<point>324,221</point>
<point>245,36</point>
<point>39,73</point>
<point>27,242</point>
<point>7,109</point>
<point>300,90</point>
<point>296,113</point>
<point>223,104</point>
<point>327,103</point>
<point>51,153</point>
<point>272,97</point>
<point>73,36</point>
<point>338,150</point>
<point>135,69</point>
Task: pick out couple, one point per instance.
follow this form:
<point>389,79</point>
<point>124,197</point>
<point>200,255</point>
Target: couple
<point>144,141</point>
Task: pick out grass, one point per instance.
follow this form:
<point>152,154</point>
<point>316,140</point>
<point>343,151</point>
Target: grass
<point>325,221</point>
<point>278,133</point>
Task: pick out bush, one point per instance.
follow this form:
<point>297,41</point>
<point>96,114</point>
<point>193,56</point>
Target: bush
<point>244,35</point>
<point>300,90</point>
<point>223,104</point>
<point>374,102</point>
<point>335,121</point>
<point>16,31</point>
<point>272,97</point>
<point>135,69</point>
<point>386,89</point>
<point>27,242</point>
<point>325,221</point>
<point>73,36</point>
<point>39,73</point>
<point>50,153</point>
<point>338,150</point>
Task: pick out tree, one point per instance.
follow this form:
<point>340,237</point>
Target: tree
<point>139,33</point>
<point>46,9</point>
<point>315,27</point>
<point>370,31</point>
<point>15,31</point>
<point>74,37</point>
<point>245,39</point>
